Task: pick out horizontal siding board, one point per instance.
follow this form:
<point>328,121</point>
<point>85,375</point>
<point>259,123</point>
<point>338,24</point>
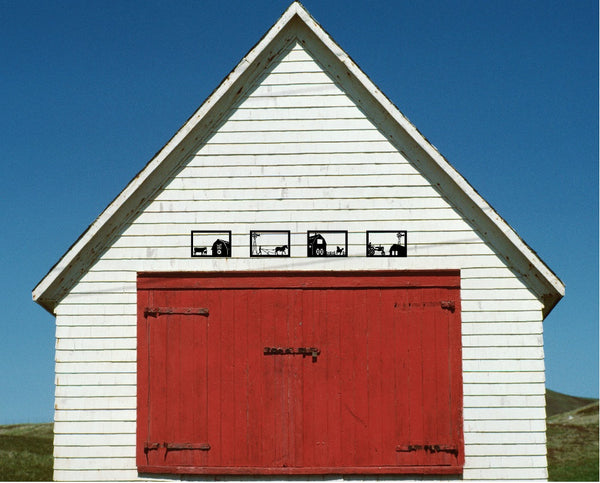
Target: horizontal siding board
<point>509,438</point>
<point>338,135</point>
<point>505,425</point>
<point>98,475</point>
<point>296,159</point>
<point>99,343</point>
<point>306,170</point>
<point>97,320</point>
<point>490,318</point>
<point>98,451</point>
<point>333,205</point>
<point>64,391</point>
<point>94,367</point>
<point>296,78</point>
<point>507,340</point>
<point>107,439</point>
<point>95,309</point>
<point>100,298</point>
<point>508,365</point>
<point>503,377</point>
<point>498,413</point>
<point>94,403</point>
<point>521,474</point>
<point>295,125</point>
<point>299,229</point>
<point>305,216</point>
<point>398,181</point>
<point>101,332</point>
<point>291,90</point>
<point>297,148</point>
<point>245,194</point>
<point>503,353</point>
<point>501,305</point>
<point>114,463</point>
<point>94,427</point>
<point>298,113</point>
<point>506,450</point>
<point>112,379</point>
<point>514,401</point>
<point>102,415</point>
<point>507,389</point>
<point>499,328</point>
<point>529,461</point>
<point>301,66</point>
<point>492,283</point>
<point>95,356</point>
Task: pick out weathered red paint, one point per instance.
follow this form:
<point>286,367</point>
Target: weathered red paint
<point>383,395</point>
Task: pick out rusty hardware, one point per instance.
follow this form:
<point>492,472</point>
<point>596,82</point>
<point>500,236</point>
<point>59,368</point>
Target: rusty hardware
<point>444,304</point>
<point>449,305</point>
<point>156,311</point>
<point>303,351</point>
<point>176,446</point>
<point>430,448</point>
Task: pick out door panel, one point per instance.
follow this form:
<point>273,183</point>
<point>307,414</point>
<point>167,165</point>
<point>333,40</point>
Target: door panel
<point>383,395</point>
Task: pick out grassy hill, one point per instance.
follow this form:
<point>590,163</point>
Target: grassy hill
<point>573,444</point>
<point>557,403</point>
<point>26,452</point>
<point>26,449</point>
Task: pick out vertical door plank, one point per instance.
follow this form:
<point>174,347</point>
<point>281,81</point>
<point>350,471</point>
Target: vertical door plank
<point>361,308</point>
<point>226,372</point>
<point>214,381</point>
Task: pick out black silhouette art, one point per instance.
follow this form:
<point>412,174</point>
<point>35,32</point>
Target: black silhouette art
<point>211,243</point>
<point>269,243</point>
<point>327,243</point>
<point>386,243</point>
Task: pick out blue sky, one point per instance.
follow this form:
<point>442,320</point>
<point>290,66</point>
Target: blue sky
<point>90,91</point>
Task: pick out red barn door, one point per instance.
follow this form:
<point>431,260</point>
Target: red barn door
<point>300,373</point>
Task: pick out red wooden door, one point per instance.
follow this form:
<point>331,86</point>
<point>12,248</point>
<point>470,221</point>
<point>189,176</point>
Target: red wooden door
<point>300,373</point>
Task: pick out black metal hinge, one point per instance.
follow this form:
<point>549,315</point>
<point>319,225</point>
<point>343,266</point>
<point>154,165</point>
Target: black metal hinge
<point>156,311</point>
<point>430,448</point>
<point>176,446</point>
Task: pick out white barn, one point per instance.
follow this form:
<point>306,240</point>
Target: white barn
<point>298,143</point>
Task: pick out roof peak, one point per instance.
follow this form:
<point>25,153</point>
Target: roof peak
<point>76,261</point>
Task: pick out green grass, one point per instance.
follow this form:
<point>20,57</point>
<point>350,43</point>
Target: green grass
<point>573,444</point>
<point>26,452</point>
<point>26,449</point>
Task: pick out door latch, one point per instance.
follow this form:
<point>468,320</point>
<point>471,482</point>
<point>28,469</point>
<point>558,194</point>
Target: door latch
<point>303,351</point>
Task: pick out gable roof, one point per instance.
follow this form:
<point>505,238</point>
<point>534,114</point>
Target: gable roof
<point>297,24</point>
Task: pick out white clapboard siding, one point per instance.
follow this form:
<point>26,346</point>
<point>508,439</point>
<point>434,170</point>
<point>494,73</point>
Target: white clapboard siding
<point>514,439</point>
<point>504,425</point>
<point>100,415</point>
<point>498,328</point>
<point>514,401</point>
<point>98,475</point>
<point>506,450</point>
<point>506,473</point>
<point>65,440</point>
<point>112,379</point>
<point>99,451</point>
<point>101,343</point>
<point>96,391</point>
<point>296,153</point>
